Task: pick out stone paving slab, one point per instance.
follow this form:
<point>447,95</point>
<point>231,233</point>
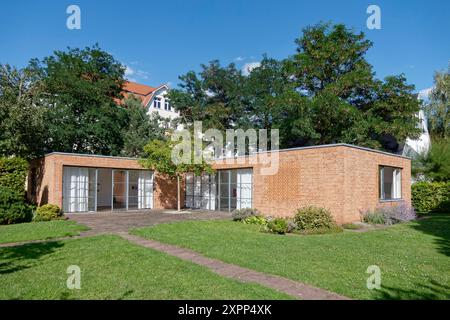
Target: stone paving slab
<point>290,287</point>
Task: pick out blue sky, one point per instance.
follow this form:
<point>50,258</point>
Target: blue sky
<point>159,40</point>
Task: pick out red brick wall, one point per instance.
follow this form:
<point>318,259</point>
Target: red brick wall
<point>341,178</point>
<point>49,180</point>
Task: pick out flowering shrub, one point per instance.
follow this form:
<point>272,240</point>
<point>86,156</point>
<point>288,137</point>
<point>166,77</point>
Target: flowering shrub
<point>390,215</point>
<point>241,214</point>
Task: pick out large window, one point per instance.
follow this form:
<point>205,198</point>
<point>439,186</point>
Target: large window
<point>224,191</point>
<point>390,183</point>
<point>94,189</point>
<point>167,105</point>
<point>157,103</point>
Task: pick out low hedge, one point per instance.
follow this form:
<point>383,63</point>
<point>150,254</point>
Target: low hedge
<point>47,212</point>
<point>311,218</point>
<point>431,196</point>
<point>13,208</point>
<point>13,173</point>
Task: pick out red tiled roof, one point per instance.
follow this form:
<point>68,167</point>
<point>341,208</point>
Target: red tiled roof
<point>139,90</point>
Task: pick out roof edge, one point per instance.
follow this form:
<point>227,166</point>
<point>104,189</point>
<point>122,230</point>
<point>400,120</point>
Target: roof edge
<point>268,151</point>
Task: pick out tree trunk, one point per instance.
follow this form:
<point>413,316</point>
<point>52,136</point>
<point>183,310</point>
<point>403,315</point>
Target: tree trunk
<point>178,193</point>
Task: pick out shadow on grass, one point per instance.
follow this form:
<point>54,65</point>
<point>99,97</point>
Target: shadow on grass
<point>431,291</point>
<point>14,259</point>
<point>437,225</point>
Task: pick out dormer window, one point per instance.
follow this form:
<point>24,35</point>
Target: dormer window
<point>167,105</point>
<point>157,103</point>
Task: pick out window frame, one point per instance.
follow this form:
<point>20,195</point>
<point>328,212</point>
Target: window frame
<point>157,103</point>
<point>381,192</point>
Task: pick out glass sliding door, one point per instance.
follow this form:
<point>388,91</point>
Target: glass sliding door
<point>224,191</point>
<point>244,189</point>
<point>79,188</point>
<point>93,189</point>
<point>119,190</point>
<point>145,190</point>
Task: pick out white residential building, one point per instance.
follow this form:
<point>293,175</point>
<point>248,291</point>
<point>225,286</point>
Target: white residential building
<point>154,99</point>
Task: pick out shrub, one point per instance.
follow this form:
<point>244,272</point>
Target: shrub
<point>13,209</point>
<point>47,212</point>
<point>373,217</point>
<point>277,225</point>
<point>335,229</point>
<point>313,218</point>
<point>13,173</point>
<point>390,215</point>
<point>258,220</point>
<point>241,214</point>
<point>431,196</point>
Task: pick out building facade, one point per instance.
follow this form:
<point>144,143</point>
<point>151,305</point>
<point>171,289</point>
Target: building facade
<point>345,179</point>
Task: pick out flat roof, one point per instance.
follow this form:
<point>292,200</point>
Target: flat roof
<point>268,151</point>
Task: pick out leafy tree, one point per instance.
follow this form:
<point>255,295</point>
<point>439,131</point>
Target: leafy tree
<point>438,110</point>
<point>141,128</point>
<point>343,99</point>
<point>325,93</point>
<point>214,96</point>
<point>159,158</point>
<point>434,165</point>
<point>22,127</point>
<point>81,86</point>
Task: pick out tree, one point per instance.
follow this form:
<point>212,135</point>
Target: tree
<point>23,131</point>
<point>438,109</point>
<point>325,93</point>
<point>141,128</point>
<point>81,87</point>
<point>214,96</point>
<point>435,164</point>
<point>159,158</point>
<point>344,102</point>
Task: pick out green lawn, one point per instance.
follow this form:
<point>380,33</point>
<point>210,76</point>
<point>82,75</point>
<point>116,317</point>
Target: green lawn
<point>39,230</point>
<point>414,258</point>
<point>112,268</point>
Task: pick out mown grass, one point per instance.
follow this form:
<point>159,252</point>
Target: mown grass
<point>113,268</point>
<point>414,258</point>
<point>39,230</point>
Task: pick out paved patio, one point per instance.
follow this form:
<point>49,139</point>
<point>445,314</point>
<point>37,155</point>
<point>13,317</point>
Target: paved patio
<point>113,222</point>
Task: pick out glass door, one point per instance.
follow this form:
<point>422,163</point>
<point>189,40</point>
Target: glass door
<point>119,199</point>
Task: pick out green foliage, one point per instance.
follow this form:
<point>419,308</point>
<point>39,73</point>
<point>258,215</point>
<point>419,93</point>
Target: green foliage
<point>13,209</point>
<point>13,173</point>
<point>311,217</point>
<point>431,196</point>
<point>47,212</point>
<point>81,86</point>
<point>141,128</point>
<point>352,226</point>
<point>389,215</point>
<point>158,157</point>
<point>325,93</point>
<point>335,229</point>
<point>434,165</point>
<point>23,130</point>
<point>277,225</point>
<point>438,109</point>
<point>214,96</point>
<point>254,219</point>
<point>242,214</point>
<point>374,217</point>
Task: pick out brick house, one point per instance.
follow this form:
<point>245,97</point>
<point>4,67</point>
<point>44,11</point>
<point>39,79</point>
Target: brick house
<point>343,178</point>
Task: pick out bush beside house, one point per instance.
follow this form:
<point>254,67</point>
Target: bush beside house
<point>13,207</point>
<point>431,196</point>
<point>47,212</point>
